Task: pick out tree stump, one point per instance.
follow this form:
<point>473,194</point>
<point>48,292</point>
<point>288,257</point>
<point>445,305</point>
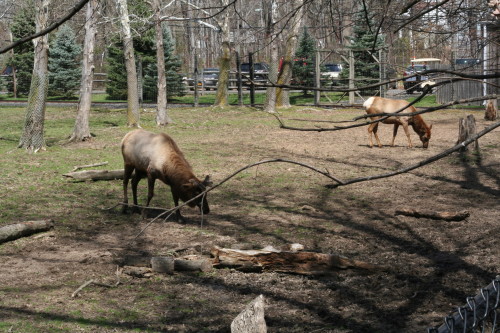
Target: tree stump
<point>491,110</point>
<point>251,320</point>
<point>467,129</point>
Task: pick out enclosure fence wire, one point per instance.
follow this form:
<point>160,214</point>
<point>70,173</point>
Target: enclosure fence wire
<point>479,314</point>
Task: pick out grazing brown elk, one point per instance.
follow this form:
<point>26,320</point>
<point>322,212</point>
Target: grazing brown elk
<point>375,105</point>
<point>156,156</point>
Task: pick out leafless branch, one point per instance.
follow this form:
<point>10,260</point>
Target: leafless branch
<point>421,14</point>
<point>53,26</point>
<point>408,6</point>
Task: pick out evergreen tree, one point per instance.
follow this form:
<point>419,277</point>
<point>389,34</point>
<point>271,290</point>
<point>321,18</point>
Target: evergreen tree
<point>22,61</point>
<point>175,85</point>
<point>363,43</point>
<point>116,87</point>
<point>64,65</point>
<point>144,47</point>
<point>303,66</point>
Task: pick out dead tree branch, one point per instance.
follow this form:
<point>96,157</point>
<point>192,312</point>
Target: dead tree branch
<point>94,282</point>
<point>422,13</point>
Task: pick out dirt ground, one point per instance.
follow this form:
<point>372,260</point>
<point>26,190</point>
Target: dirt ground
<point>434,264</point>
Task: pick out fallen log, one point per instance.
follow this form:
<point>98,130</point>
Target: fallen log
<point>95,175</point>
<point>163,264</point>
<point>169,265</point>
<point>251,319</point>
<point>199,265</point>
<point>307,263</point>
<point>446,216</point>
<point>18,230</point>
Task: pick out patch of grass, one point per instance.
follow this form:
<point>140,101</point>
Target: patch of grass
<point>427,101</point>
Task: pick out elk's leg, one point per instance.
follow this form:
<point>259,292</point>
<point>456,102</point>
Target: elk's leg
<point>372,128</point>
<point>407,132</point>
<point>126,176</point>
<point>151,193</point>
<point>178,215</point>
<point>135,180</point>
<point>151,189</point>
<point>394,133</point>
<point>375,129</point>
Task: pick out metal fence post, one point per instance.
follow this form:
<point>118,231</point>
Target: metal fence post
<point>252,86</point>
<point>195,80</point>
<point>238,79</point>
<point>317,77</point>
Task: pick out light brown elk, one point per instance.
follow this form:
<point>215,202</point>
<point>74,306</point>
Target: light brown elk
<point>374,105</point>
<point>157,156</point>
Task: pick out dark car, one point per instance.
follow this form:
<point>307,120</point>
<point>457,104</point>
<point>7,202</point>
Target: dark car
<point>260,68</point>
<point>260,72</point>
<point>209,78</point>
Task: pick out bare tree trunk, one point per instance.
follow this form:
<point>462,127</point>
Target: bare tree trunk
<point>270,102</point>
<point>32,138</point>
<point>224,62</point>
<point>162,117</point>
<point>128,50</point>
<point>282,97</point>
<point>14,76</point>
<point>81,132</point>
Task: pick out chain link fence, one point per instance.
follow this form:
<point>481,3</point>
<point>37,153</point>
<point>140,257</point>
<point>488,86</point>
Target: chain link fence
<point>479,314</point>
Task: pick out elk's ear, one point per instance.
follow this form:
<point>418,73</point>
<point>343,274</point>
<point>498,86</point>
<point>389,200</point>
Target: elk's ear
<point>207,181</point>
<point>196,183</point>
<point>430,126</point>
<point>188,186</point>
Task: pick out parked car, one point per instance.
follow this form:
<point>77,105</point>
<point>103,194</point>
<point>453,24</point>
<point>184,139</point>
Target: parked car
<point>330,74</point>
<point>209,78</point>
<point>418,82</point>
<point>260,72</point>
<point>259,68</point>
<point>332,71</point>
